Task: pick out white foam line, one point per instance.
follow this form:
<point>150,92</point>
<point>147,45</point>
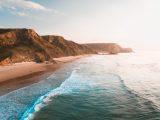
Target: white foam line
<point>43,100</point>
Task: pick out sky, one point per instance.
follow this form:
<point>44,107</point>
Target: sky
<point>131,23</point>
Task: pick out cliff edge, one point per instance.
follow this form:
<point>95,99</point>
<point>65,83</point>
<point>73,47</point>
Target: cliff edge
<point>25,45</point>
<point>111,48</point>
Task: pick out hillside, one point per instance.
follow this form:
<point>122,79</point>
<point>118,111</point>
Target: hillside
<point>111,48</point>
<point>20,45</point>
<point>66,47</point>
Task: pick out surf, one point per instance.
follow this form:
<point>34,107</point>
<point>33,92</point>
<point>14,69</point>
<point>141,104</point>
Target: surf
<point>93,88</point>
<point>97,87</point>
<point>43,100</point>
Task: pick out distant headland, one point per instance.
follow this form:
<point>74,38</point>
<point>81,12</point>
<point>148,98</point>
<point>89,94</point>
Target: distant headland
<point>25,45</point>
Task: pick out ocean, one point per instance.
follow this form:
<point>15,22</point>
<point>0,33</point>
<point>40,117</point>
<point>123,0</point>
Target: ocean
<point>98,87</point>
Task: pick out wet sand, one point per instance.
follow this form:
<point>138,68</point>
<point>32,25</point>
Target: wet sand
<point>19,75</point>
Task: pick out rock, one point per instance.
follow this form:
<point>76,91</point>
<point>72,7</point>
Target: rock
<point>22,45</point>
<point>111,48</point>
<point>66,47</point>
<point>126,50</point>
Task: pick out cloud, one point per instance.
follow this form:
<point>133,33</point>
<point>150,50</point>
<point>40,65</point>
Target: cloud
<point>22,4</point>
<point>20,7</point>
<point>21,14</point>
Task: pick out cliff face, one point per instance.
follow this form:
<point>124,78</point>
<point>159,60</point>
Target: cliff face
<point>20,45</point>
<point>17,45</point>
<point>67,48</point>
<point>126,50</point>
<point>111,48</point>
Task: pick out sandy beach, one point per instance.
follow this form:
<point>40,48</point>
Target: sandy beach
<point>20,75</point>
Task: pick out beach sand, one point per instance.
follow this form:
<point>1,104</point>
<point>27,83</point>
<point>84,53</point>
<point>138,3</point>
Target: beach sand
<point>19,75</point>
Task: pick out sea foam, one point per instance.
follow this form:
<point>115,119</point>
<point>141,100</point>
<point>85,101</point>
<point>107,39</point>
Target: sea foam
<point>43,100</point>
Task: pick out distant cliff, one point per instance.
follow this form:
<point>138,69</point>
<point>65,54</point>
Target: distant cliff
<point>19,45</point>
<point>67,48</point>
<point>111,48</point>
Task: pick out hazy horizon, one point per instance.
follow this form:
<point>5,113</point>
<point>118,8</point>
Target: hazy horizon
<point>131,23</point>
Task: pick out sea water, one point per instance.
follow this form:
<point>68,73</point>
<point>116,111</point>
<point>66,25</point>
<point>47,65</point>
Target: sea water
<point>99,87</point>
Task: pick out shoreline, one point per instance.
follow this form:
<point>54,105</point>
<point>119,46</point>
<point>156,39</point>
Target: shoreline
<point>19,75</point>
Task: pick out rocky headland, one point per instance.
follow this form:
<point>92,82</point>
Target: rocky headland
<point>111,48</point>
<point>25,45</point>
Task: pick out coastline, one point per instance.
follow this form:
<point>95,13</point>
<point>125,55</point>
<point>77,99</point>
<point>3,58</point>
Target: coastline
<point>19,75</point>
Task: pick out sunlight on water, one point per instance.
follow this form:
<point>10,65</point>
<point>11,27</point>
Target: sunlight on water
<point>140,73</point>
<point>100,87</point>
<point>115,88</point>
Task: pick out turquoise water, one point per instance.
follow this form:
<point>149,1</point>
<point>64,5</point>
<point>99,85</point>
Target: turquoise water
<point>92,88</point>
<point>96,98</point>
<point>14,104</point>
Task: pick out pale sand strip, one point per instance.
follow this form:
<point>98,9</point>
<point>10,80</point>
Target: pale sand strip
<point>22,74</point>
<point>19,69</point>
<point>68,59</point>
<point>25,68</point>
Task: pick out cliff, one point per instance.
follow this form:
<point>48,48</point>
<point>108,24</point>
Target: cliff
<point>111,48</point>
<point>18,45</point>
<point>21,45</point>
<point>68,48</point>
